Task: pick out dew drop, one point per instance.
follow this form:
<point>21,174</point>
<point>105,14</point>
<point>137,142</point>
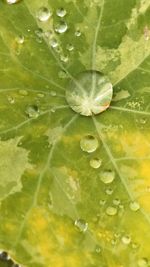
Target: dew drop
<point>102,202</point>
<point>111,211</point>
<point>64,58</point>
<point>10,2</point>
<point>11,100</point>
<point>109,191</point>
<point>126,240</point>
<point>61,12</point>
<point>70,47</point>
<point>20,39</point>
<point>107,177</point>
<point>43,14</point>
<point>23,92</point>
<point>95,163</point>
<point>143,262</point>
<point>62,27</point>
<point>81,224</point>
<point>89,93</point>
<point>134,206</point>
<point>32,111</point>
<point>53,43</point>
<point>116,201</point>
<point>78,33</point>
<point>89,143</point>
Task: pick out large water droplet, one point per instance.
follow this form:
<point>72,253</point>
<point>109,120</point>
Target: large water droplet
<point>89,143</point>
<point>43,14</point>
<point>95,163</point>
<point>107,177</point>
<point>10,2</point>
<point>143,262</point>
<point>90,93</point>
<point>81,224</point>
<point>134,206</point>
<point>61,12</point>
<point>61,27</point>
<point>111,211</point>
<point>32,111</point>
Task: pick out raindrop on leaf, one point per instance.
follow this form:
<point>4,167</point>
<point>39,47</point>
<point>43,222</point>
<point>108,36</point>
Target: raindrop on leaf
<point>81,224</point>
<point>43,14</point>
<point>89,143</point>
<point>107,177</point>
<point>61,12</point>
<point>32,111</point>
<point>95,163</point>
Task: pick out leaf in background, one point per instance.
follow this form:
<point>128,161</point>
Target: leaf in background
<point>60,205</point>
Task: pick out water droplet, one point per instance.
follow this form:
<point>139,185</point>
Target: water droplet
<point>102,202</point>
<point>62,74</point>
<point>95,163</point>
<point>61,12</point>
<point>70,47</point>
<point>90,93</point>
<point>107,177</point>
<point>64,58</point>
<point>143,262</point>
<point>23,92</point>
<point>4,255</point>
<point>20,39</point>
<point>10,2</point>
<point>39,32</point>
<point>78,33</point>
<point>32,111</point>
<point>134,206</point>
<point>53,43</point>
<point>53,93</point>
<point>126,240</point>
<point>89,143</point>
<point>43,14</point>
<point>109,191</point>
<point>11,100</point>
<point>61,27</point>
<point>116,201</point>
<point>111,211</point>
<point>98,249</point>
<point>82,225</point>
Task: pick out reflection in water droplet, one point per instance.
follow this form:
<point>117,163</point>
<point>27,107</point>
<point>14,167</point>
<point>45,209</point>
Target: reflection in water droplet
<point>107,177</point>
<point>134,206</point>
<point>143,262</point>
<point>61,27</point>
<point>90,93</point>
<point>82,225</point>
<point>43,14</point>
<point>13,1</point>
<point>89,143</point>
<point>61,12</point>
<point>126,240</point>
<point>111,211</point>
<point>95,163</point>
<point>32,111</point>
<point>23,92</point>
<point>53,43</point>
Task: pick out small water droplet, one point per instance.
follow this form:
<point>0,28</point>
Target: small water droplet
<point>10,2</point>
<point>39,32</point>
<point>107,177</point>
<point>53,43</point>
<point>32,111</point>
<point>64,58</point>
<point>116,201</point>
<point>134,206</point>
<point>70,47</point>
<point>89,93</point>
<point>111,211</point>
<point>78,33</point>
<point>61,27</point>
<point>126,240</point>
<point>62,74</point>
<point>11,100</point>
<point>3,255</point>
<point>43,14</point>
<point>109,191</point>
<point>23,92</point>
<point>98,249</point>
<point>102,202</point>
<point>143,262</point>
<point>89,143</point>
<point>53,93</point>
<point>95,163</point>
<point>82,225</point>
<point>61,12</point>
<point>20,39</point>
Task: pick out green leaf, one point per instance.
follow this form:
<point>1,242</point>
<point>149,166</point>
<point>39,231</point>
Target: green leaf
<point>60,205</point>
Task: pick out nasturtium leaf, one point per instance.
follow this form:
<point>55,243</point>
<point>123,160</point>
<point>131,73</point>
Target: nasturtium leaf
<point>74,185</point>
